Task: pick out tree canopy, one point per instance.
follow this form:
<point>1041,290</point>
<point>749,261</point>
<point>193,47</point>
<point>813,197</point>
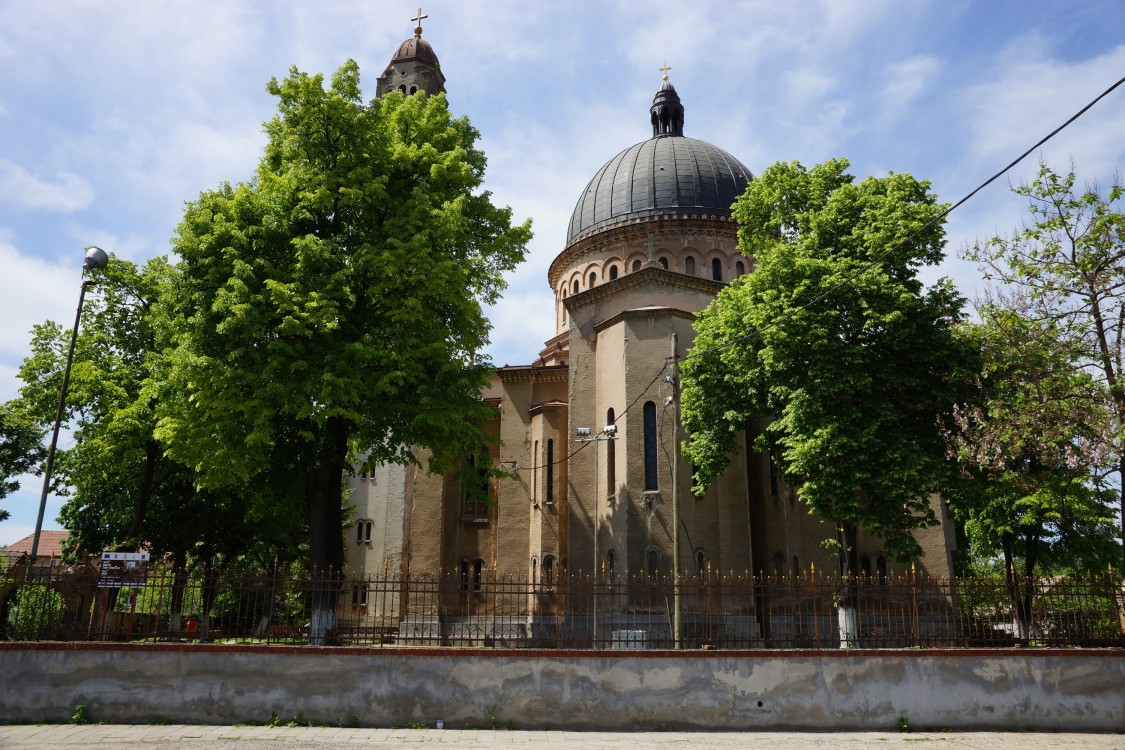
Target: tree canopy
<point>1068,262</point>
<point>1031,441</point>
<point>21,449</point>
<point>123,491</point>
<point>335,301</point>
<point>836,344</point>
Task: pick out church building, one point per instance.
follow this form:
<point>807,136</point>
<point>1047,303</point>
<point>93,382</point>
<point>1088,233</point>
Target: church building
<point>587,434</point>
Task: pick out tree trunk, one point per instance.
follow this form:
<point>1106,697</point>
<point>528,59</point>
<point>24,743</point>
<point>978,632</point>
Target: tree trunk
<point>179,585</point>
<point>144,495</point>
<point>847,614</point>
<point>324,489</point>
<point>1019,621</point>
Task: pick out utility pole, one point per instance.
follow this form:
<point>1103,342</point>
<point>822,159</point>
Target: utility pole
<point>677,615</point>
<point>582,435</point>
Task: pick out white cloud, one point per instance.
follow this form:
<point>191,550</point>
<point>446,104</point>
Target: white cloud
<point>907,79</point>
<point>31,291</point>
<point>62,192</point>
<point>1030,92</point>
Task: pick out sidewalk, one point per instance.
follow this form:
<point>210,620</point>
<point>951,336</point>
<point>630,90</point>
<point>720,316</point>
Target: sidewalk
<point>113,736</point>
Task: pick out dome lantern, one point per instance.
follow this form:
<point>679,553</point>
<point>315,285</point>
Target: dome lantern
<point>666,112</point>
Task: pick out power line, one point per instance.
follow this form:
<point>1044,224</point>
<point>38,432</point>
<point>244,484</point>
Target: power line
<point>616,417</point>
<point>864,269</point>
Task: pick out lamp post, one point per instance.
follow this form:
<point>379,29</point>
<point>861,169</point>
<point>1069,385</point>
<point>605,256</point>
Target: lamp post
<point>95,258</point>
<point>583,436</point>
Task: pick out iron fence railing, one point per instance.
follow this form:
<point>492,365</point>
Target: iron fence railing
<point>480,609</point>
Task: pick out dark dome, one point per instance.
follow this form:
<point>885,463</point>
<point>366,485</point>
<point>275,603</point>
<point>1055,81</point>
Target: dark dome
<point>416,48</point>
<point>668,175</point>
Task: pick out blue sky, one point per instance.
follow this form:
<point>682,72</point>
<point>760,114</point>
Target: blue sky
<point>113,114</point>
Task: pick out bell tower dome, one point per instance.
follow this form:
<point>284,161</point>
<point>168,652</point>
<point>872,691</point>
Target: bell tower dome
<point>414,67</point>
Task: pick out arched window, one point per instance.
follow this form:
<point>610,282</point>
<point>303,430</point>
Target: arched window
<point>701,561</point>
<point>610,460</point>
<point>652,561</point>
<point>548,570</point>
<point>402,88</point>
<point>739,267</point>
<point>881,567</point>
<point>636,266</point>
<point>610,562</point>
<point>778,564</point>
<point>593,279</point>
<point>651,482</point>
<point>716,269</point>
<point>574,287</point>
<point>865,565</point>
<point>534,569</point>
<point>612,272</point>
<point>689,266</point>
<point>363,531</point>
<point>550,475</point>
<point>413,89</point>
<point>796,566</point>
<point>664,262</point>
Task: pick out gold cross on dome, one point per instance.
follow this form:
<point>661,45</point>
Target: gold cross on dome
<point>418,20</point>
<point>664,69</point>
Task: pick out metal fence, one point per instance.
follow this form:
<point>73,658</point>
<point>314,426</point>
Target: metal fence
<point>476,608</point>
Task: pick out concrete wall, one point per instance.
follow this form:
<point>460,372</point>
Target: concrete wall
<point>1074,690</point>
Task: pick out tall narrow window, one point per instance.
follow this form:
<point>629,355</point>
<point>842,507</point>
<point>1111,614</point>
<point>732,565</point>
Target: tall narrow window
<point>550,472</point>
<point>535,475</point>
<point>548,570</point>
<point>610,460</point>
<point>574,287</point>
<point>664,263</point>
<point>611,562</point>
<point>652,561</point>
<point>740,267</point>
<point>716,269</point>
<point>636,266</point>
<point>474,502</point>
<point>775,489</point>
<point>478,573</point>
<point>612,273</point>
<point>651,482</point>
<point>593,278</point>
<point>689,266</point>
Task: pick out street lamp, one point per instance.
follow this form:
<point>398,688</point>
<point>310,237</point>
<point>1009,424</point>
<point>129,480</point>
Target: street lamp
<point>95,258</point>
<point>609,432</point>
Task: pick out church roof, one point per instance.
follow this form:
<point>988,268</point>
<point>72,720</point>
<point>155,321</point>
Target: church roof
<point>667,175</point>
<point>416,49</point>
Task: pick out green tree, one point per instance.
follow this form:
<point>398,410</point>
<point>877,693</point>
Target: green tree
<point>123,491</point>
<point>21,448</point>
<point>833,340</point>
<point>1032,444</point>
<point>335,302</point>
<point>1069,263</point>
